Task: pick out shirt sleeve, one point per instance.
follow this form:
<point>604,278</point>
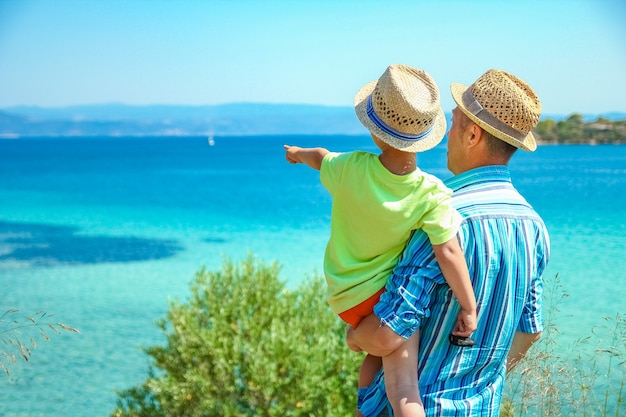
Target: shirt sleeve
<point>408,292</point>
<point>532,313</point>
<point>441,221</point>
<point>330,171</point>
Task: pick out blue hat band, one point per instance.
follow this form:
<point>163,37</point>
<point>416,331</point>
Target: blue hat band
<point>390,130</point>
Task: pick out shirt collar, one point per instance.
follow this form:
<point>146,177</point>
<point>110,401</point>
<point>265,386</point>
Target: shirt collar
<point>498,173</point>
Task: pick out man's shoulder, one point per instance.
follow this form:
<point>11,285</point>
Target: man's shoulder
<point>497,199</point>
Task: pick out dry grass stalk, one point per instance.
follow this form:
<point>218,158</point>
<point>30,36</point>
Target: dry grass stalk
<point>586,377</point>
<point>13,328</point>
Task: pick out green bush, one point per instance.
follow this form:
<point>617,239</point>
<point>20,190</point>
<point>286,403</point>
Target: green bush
<point>245,345</point>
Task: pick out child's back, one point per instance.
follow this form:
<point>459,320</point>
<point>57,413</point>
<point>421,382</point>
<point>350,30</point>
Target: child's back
<point>378,200</point>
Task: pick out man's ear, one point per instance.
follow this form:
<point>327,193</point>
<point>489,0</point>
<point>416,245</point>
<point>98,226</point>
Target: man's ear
<point>474,134</point>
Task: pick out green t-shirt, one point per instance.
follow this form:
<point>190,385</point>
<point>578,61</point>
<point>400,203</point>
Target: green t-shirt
<point>373,214</point>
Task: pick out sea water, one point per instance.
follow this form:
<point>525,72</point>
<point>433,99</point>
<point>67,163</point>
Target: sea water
<point>104,232</point>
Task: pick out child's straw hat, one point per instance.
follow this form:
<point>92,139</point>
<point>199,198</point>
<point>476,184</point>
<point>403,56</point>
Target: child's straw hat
<point>402,109</point>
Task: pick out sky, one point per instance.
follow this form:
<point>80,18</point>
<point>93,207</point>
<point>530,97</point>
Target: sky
<point>56,53</point>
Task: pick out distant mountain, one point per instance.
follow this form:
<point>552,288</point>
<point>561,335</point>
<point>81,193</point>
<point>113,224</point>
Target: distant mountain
<point>165,120</point>
<point>238,119</point>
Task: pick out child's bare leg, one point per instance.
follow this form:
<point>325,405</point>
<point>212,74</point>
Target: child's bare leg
<point>400,369</point>
<point>369,368</point>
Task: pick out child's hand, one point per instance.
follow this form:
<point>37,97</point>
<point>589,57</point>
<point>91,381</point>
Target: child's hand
<point>465,323</point>
<point>292,154</point>
<point>352,345</point>
<point>310,156</point>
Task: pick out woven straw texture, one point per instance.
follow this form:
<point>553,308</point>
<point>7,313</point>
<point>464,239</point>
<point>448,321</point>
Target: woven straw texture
<point>503,105</point>
<point>406,100</point>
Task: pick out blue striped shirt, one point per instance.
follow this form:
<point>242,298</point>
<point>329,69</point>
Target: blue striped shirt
<point>507,248</point>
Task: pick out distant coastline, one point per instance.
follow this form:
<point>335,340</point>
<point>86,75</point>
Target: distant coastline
<point>575,130</point>
<point>248,119</point>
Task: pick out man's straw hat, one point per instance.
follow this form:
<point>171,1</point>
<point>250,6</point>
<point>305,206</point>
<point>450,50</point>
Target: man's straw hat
<point>402,109</point>
<point>503,105</point>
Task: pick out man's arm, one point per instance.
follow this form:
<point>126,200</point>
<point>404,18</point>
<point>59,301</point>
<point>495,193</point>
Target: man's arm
<point>521,343</point>
<point>404,304</point>
<point>311,156</point>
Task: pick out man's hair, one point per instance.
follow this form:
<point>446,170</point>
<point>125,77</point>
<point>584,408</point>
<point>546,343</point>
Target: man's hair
<point>498,147</point>
<point>495,146</point>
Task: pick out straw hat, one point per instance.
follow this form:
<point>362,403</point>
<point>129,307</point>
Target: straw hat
<point>402,109</point>
<point>503,105</point>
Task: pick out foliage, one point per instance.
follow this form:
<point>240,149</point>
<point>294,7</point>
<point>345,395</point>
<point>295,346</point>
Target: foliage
<point>13,328</point>
<point>574,130</point>
<point>244,345</point>
<point>584,379</point>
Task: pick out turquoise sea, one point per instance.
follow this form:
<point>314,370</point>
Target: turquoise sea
<point>102,232</point>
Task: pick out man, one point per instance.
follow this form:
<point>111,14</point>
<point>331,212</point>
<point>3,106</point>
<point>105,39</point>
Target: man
<point>506,246</point>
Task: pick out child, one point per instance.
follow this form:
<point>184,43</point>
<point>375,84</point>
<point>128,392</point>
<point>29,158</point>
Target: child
<point>378,200</point>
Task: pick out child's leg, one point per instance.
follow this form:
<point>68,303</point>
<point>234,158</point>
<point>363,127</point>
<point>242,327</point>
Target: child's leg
<point>353,316</point>
<point>370,367</point>
<point>400,369</point>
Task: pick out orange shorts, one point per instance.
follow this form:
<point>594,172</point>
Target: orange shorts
<point>354,315</point>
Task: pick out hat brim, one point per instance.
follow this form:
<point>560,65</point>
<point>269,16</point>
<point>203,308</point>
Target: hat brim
<point>427,142</point>
<point>528,143</point>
